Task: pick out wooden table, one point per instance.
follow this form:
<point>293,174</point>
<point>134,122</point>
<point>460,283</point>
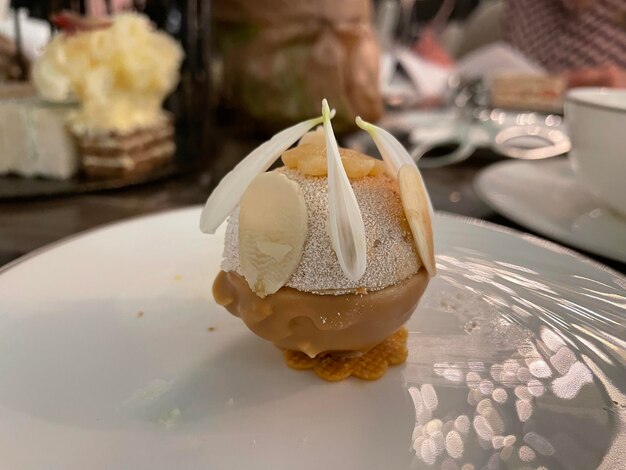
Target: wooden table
<point>27,225</point>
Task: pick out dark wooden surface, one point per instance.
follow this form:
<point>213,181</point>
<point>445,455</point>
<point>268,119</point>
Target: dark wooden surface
<point>27,225</point>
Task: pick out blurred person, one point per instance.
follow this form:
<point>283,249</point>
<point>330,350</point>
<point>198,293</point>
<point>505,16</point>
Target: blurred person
<point>583,39</point>
<point>430,48</point>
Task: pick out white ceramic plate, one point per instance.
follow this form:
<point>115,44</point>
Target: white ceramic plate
<point>516,360</point>
<point>546,197</point>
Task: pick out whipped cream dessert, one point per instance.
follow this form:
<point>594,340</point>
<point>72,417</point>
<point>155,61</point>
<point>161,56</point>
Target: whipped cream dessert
<point>328,255</point>
<point>119,70</point>
<point>120,74</point>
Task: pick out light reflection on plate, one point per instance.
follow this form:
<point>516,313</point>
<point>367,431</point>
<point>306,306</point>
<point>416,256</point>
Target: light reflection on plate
<point>516,361</point>
<point>525,366</point>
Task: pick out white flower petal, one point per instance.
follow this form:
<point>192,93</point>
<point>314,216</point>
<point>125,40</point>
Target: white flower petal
<point>229,191</point>
<point>392,151</point>
<point>415,200</point>
<point>347,231</point>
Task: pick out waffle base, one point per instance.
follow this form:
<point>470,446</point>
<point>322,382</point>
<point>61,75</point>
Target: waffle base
<point>372,365</point>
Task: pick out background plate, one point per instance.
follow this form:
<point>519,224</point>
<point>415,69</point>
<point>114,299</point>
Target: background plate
<point>546,197</point>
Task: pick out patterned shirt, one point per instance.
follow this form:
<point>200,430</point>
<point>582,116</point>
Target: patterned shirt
<point>560,36</point>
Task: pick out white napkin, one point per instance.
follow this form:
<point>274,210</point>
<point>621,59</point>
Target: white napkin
<point>430,79</point>
<point>495,59</point>
<point>426,79</point>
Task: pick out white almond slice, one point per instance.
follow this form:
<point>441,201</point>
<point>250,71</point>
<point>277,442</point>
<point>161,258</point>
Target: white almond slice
<point>276,250</point>
<point>272,231</point>
<point>315,137</point>
<point>228,192</point>
<point>417,210</point>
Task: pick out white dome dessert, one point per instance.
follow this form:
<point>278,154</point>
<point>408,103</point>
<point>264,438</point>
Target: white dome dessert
<point>328,255</point>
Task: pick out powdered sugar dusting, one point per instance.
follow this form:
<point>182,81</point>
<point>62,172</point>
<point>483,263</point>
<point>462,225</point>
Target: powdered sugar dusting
<point>391,255</point>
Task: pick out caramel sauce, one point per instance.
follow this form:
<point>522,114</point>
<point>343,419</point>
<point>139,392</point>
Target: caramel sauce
<point>314,324</point>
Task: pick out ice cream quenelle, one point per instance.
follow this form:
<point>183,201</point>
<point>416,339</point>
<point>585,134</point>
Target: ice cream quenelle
<point>119,70</point>
<point>327,256</point>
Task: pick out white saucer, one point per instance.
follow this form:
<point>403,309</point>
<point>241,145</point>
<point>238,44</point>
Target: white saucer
<point>546,197</point>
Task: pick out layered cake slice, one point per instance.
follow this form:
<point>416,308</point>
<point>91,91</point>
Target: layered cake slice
<point>120,154</point>
<point>528,92</point>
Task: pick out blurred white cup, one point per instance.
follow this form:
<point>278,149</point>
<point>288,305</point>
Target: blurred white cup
<point>596,122</point>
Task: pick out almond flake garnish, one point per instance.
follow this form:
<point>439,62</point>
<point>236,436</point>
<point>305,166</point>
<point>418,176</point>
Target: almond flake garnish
<point>226,196</point>
<point>272,231</point>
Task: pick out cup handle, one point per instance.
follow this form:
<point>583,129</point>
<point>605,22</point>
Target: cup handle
<point>557,142</point>
<point>463,152</point>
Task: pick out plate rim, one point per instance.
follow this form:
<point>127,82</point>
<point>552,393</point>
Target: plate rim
<point>531,238</point>
<point>547,232</point>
